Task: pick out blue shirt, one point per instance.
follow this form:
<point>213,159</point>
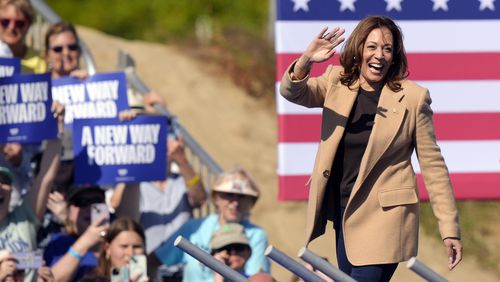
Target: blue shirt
<point>199,231</point>
<point>57,248</point>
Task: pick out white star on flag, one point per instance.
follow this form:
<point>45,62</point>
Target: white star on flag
<point>393,4</point>
<point>300,4</point>
<point>486,4</point>
<point>440,4</point>
<point>347,5</point>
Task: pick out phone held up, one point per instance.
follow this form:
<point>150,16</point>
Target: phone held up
<point>137,269</point>
<point>100,211</point>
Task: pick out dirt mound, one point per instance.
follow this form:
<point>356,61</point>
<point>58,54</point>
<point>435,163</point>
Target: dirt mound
<point>238,129</point>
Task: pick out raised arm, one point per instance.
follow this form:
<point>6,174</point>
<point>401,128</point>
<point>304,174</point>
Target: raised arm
<point>125,200</point>
<point>39,193</point>
<point>297,87</point>
<point>321,48</point>
<point>195,189</point>
<point>67,266</point>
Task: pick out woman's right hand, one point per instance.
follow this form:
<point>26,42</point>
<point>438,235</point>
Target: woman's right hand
<point>319,50</point>
<point>92,236</point>
<point>322,47</point>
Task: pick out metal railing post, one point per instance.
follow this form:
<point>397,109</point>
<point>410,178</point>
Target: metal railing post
<point>292,265</point>
<point>424,271</point>
<point>209,260</point>
<point>323,266</point>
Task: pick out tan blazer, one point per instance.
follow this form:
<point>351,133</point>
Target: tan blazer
<point>381,216</point>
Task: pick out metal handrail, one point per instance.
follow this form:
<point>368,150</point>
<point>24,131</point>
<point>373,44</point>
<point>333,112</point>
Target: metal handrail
<point>46,15</point>
<point>208,169</point>
<point>205,165</point>
<point>424,271</point>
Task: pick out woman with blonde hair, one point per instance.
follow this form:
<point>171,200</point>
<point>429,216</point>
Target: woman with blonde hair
<point>16,16</point>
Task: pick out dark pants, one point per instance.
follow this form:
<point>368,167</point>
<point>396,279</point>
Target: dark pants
<point>368,273</point>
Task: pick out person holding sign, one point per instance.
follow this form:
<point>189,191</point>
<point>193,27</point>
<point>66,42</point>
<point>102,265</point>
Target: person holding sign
<point>12,269</point>
<point>16,17</point>
<point>62,51</point>
<point>161,206</point>
<point>19,227</point>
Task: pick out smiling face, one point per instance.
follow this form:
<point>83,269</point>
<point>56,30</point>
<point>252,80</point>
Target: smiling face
<point>63,53</point>
<point>13,25</point>
<point>377,58</point>
<point>232,207</point>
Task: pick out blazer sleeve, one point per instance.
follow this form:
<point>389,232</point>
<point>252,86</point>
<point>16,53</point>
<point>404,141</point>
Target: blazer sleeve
<point>434,171</point>
<point>310,91</point>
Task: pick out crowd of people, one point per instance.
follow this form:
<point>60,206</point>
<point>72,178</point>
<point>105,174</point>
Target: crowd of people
<point>46,216</point>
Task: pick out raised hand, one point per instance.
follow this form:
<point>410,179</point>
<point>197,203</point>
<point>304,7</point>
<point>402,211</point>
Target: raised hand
<point>58,206</point>
<point>321,48</point>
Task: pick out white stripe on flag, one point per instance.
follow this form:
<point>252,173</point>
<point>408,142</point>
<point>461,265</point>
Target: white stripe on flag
<point>460,96</point>
<point>460,156</point>
<point>419,36</point>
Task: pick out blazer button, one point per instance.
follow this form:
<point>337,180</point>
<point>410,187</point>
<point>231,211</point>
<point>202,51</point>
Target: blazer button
<point>326,173</point>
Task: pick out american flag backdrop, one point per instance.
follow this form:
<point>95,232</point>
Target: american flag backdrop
<point>453,48</point>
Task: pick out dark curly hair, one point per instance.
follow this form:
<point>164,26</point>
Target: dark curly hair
<point>352,52</point>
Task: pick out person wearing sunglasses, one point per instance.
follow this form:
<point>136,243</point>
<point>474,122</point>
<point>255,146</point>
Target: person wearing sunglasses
<point>230,246</point>
<point>62,51</point>
<point>74,252</point>
<point>233,194</point>
<point>16,17</point>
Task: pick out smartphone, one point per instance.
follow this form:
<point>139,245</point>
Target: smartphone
<point>120,274</point>
<point>138,264</point>
<point>28,260</point>
<point>98,211</point>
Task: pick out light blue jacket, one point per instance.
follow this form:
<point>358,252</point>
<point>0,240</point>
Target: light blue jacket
<point>199,232</point>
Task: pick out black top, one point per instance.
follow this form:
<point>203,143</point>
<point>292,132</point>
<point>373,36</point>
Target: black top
<point>352,146</point>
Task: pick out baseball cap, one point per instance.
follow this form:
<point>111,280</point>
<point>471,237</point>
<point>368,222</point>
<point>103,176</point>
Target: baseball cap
<point>237,181</point>
<point>228,234</point>
<point>6,175</point>
<point>76,193</point>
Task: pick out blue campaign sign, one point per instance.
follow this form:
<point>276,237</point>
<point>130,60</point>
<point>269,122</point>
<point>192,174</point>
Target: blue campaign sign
<point>25,114</point>
<point>108,151</point>
<point>102,95</point>
<point>9,66</point>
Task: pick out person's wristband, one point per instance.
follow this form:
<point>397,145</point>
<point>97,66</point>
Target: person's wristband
<point>193,181</point>
<point>74,253</point>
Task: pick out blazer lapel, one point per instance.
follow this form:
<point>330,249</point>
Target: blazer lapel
<point>390,114</point>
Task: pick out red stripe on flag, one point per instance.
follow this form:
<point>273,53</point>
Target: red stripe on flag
<point>467,186</point>
<point>463,126</point>
<point>423,66</point>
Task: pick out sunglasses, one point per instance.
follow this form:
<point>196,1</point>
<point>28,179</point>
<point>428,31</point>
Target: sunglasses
<point>237,248</point>
<point>18,23</point>
<point>71,47</point>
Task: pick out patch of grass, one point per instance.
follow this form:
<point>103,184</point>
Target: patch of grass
<point>480,230</point>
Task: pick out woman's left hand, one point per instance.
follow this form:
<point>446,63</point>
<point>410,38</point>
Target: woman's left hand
<point>454,248</point>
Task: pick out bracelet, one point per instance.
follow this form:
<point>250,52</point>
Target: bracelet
<point>193,181</point>
<point>74,253</point>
